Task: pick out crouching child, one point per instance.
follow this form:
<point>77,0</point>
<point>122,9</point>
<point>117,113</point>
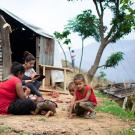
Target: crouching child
<point>84,100</point>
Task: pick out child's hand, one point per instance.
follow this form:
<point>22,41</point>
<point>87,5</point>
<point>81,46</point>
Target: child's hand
<point>40,99</point>
<point>70,116</point>
<point>75,105</point>
<point>33,74</point>
<point>26,91</point>
<point>34,78</point>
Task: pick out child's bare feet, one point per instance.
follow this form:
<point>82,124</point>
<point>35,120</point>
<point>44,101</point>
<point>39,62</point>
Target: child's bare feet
<point>49,113</point>
<point>43,112</point>
<point>71,115</point>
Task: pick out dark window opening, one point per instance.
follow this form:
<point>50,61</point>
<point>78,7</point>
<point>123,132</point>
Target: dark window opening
<point>22,40</point>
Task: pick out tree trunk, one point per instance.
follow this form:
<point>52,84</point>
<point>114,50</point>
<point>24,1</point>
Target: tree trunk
<point>94,67</point>
<point>81,56</point>
<point>63,53</point>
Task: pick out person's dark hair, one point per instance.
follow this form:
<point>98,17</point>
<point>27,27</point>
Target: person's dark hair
<point>22,107</point>
<point>70,85</point>
<point>28,56</point>
<point>79,77</point>
<point>72,51</point>
<point>17,68</point>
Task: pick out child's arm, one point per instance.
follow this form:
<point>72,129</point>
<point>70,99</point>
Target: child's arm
<point>84,99</point>
<point>35,112</point>
<point>72,106</point>
<point>26,91</point>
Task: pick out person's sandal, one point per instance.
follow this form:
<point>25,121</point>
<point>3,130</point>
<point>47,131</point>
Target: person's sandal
<point>90,115</point>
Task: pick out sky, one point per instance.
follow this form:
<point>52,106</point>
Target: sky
<point>53,15</point>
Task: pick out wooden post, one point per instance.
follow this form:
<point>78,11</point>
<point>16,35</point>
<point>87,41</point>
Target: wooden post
<point>124,103</point>
<point>65,79</point>
<point>44,78</point>
<point>6,49</point>
<point>133,108</point>
<point>37,55</point>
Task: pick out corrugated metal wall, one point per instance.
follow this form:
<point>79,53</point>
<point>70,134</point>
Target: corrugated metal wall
<point>46,54</point>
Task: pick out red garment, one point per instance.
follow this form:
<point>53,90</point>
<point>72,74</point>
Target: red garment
<point>92,97</point>
<point>8,93</point>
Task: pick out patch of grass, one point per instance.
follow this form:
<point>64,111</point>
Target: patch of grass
<point>112,107</point>
<point>99,94</point>
<point>42,119</point>
<point>6,129</point>
<point>24,133</point>
<point>127,132</point>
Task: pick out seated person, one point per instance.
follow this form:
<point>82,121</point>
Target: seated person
<point>28,79</point>
<point>12,96</point>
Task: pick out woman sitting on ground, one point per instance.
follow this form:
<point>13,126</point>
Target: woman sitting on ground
<point>12,96</point>
<point>28,79</point>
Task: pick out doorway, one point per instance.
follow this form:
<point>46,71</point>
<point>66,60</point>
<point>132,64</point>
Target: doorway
<point>22,40</point>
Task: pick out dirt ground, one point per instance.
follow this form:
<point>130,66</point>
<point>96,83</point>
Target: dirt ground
<point>104,124</point>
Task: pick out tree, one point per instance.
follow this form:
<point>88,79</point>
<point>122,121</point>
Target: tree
<point>102,75</point>
<point>62,39</point>
<point>85,25</point>
<point>122,23</point>
<point>113,60</point>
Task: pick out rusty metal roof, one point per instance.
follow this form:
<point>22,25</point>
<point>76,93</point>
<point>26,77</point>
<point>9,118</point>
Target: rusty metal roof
<point>26,24</point>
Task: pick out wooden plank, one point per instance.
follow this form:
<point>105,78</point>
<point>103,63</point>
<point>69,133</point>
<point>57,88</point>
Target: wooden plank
<point>37,55</point>
<point>46,67</point>
<point>48,77</point>
<point>6,49</point>
<point>43,83</point>
<point>47,90</point>
<point>124,103</point>
<point>133,108</point>
<point>65,80</point>
<point>56,68</point>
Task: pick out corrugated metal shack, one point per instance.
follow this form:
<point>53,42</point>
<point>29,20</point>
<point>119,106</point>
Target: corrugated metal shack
<point>17,36</point>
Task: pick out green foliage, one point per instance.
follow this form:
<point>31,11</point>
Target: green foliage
<point>62,35</point>
<point>7,130</point>
<point>102,75</point>
<point>62,39</point>
<point>114,59</point>
<point>86,24</point>
<point>127,132</point>
<point>42,119</point>
<point>112,107</point>
<point>99,94</point>
<point>65,33</point>
<point>67,41</point>
<point>89,25</point>
<point>123,21</point>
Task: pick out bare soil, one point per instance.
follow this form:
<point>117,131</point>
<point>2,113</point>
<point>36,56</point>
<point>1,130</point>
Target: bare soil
<point>103,124</point>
